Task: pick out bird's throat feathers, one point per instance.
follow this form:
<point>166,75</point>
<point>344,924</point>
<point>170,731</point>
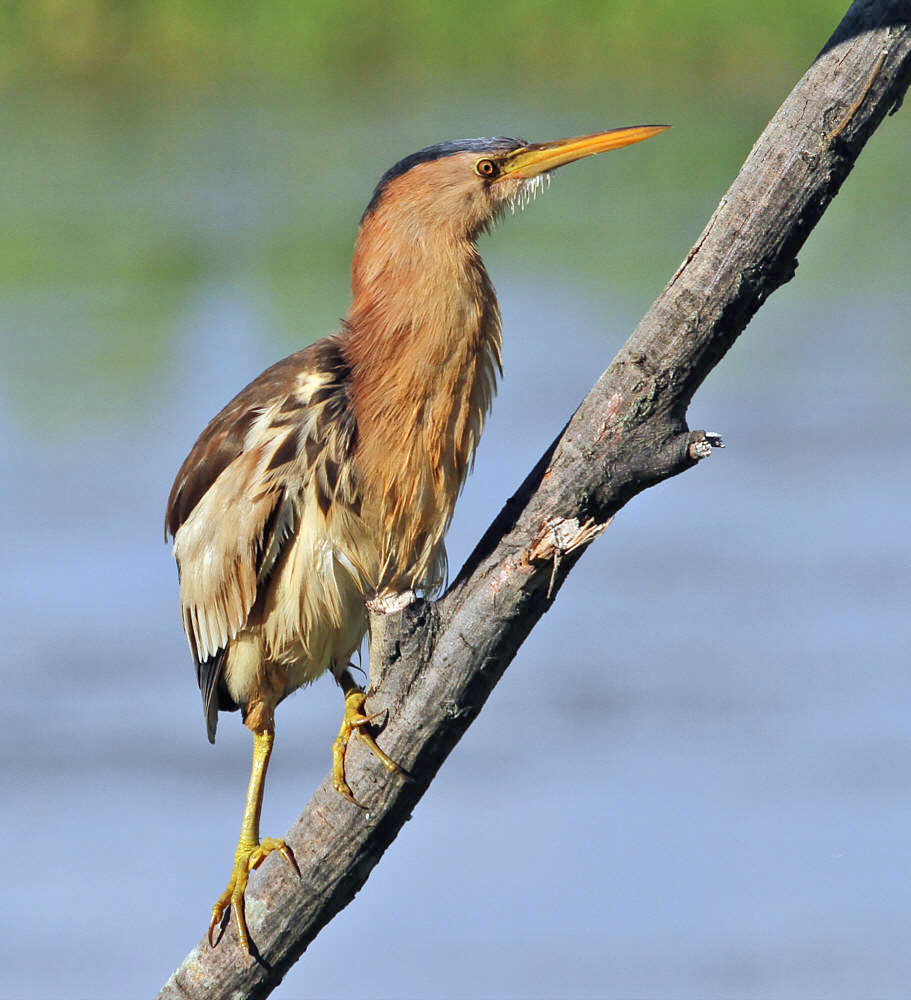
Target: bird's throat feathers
<point>423,343</point>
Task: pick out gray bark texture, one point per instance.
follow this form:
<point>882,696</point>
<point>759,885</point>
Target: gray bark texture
<point>434,664</point>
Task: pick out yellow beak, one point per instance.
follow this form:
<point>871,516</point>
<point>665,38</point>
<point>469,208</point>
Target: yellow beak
<point>540,157</point>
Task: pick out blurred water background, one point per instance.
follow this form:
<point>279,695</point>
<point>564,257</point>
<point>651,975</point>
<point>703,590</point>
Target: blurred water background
<point>693,781</point>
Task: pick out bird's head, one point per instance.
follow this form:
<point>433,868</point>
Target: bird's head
<point>459,188</point>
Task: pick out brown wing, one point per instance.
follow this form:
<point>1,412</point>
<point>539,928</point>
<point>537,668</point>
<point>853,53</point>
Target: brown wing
<point>236,499</point>
<point>223,440</point>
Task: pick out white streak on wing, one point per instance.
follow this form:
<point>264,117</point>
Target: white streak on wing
<point>308,382</point>
<point>216,546</point>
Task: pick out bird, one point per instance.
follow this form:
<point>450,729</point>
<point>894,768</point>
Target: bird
<point>329,481</point>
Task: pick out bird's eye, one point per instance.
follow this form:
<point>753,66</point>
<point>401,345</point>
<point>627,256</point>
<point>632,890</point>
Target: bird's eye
<point>486,168</point>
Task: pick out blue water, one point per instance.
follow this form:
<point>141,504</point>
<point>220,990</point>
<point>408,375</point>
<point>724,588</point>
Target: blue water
<point>693,780</point>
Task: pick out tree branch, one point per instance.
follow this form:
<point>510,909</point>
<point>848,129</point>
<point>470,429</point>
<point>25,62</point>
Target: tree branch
<point>433,665</point>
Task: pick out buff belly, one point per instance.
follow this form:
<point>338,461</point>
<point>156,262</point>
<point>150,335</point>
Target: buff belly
<point>312,619</point>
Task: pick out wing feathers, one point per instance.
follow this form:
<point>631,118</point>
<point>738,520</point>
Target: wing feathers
<point>238,498</point>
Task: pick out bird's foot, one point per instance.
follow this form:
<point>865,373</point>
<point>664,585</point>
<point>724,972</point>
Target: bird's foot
<point>356,721</point>
<point>247,858</point>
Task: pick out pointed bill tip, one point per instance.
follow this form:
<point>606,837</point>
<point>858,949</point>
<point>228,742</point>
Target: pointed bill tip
<point>540,157</point>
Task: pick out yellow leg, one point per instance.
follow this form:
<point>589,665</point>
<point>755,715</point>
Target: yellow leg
<point>355,721</point>
<point>251,851</point>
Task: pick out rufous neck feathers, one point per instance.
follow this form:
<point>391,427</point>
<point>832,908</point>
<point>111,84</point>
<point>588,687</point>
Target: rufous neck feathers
<point>422,340</point>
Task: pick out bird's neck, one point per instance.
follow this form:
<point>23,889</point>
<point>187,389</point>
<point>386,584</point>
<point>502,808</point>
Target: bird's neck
<point>423,344</point>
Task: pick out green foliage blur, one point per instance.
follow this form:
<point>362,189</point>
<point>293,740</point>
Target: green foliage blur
<point>165,159</point>
<point>344,46</point>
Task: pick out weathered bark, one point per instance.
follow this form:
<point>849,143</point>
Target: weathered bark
<point>434,665</point>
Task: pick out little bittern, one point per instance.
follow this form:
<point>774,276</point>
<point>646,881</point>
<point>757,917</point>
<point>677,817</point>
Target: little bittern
<point>331,479</point>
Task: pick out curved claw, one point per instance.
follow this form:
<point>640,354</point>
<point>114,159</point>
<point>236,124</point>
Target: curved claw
<point>246,860</point>
<point>360,721</point>
<point>270,844</point>
<point>357,721</point>
<point>344,789</point>
<point>218,918</point>
<point>232,899</point>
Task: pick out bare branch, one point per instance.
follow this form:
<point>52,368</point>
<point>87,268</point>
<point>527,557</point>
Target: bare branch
<point>433,665</point>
